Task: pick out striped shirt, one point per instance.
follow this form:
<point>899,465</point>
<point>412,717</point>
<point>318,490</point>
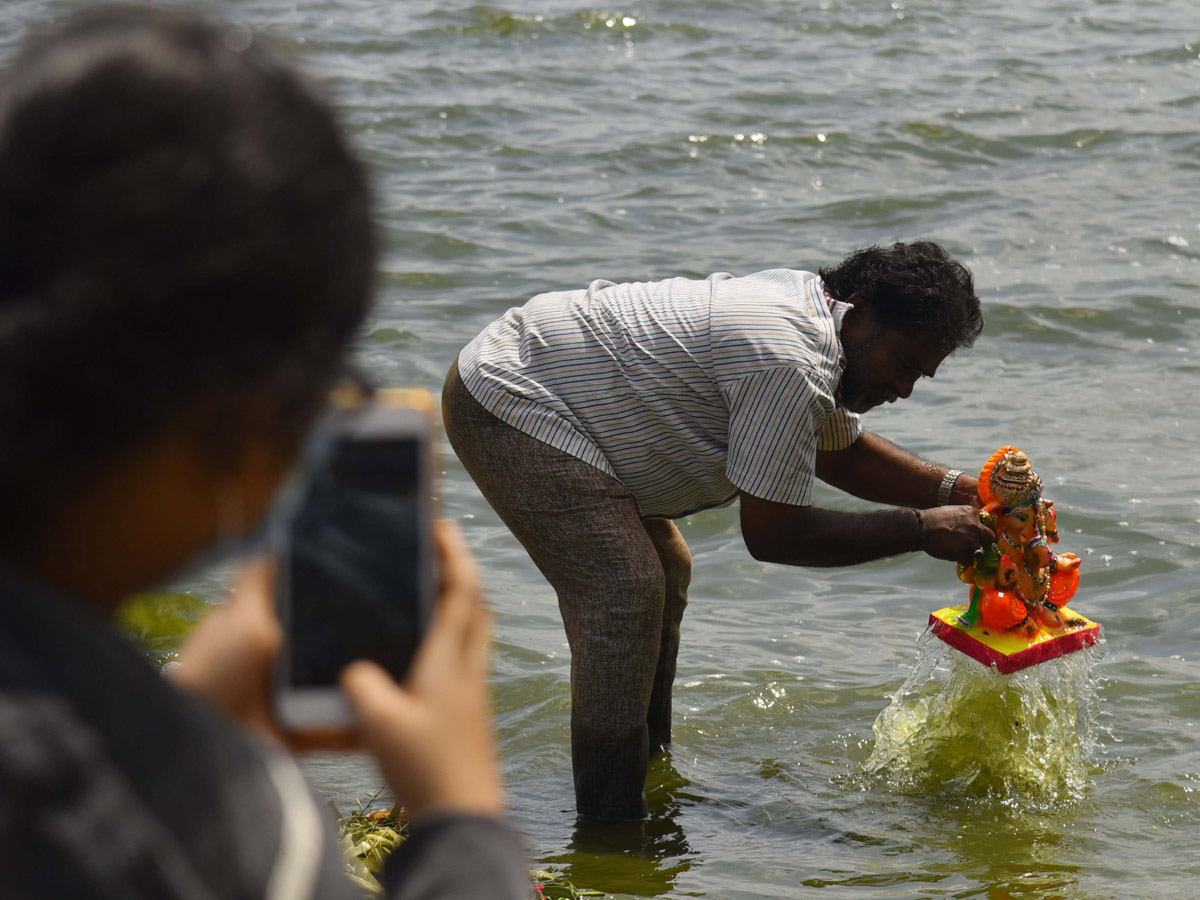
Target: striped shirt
<point>686,391</point>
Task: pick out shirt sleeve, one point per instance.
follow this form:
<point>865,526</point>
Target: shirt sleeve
<point>841,430</point>
<point>777,417</point>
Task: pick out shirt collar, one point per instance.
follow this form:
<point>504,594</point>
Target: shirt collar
<point>837,311</point>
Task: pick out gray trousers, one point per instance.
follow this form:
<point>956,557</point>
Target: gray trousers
<point>621,582</point>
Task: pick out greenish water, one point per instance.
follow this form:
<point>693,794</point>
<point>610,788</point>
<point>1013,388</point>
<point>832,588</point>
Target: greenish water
<point>957,727</point>
<point>527,146</point>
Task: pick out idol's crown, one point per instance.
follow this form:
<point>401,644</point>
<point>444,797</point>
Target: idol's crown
<point>1013,481</point>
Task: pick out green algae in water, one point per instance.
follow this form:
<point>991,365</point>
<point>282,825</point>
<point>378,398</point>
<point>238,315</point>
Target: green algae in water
<point>959,726</point>
<point>369,838</point>
<point>159,621</point>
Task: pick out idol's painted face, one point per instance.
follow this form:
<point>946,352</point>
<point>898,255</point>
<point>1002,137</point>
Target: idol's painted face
<point>1020,523</point>
<point>883,365</point>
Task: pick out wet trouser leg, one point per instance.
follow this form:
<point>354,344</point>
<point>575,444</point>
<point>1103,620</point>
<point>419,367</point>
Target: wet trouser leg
<point>612,573</point>
<point>676,562</point>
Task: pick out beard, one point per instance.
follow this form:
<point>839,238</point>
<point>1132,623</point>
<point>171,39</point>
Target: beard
<point>856,391</point>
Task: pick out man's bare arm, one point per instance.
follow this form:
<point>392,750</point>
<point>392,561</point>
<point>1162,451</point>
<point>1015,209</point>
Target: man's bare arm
<point>811,536</point>
<point>876,469</point>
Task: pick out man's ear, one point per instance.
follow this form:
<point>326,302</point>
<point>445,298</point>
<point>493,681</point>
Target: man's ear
<point>859,321</point>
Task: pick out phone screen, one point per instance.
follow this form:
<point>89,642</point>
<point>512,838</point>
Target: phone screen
<point>354,563</point>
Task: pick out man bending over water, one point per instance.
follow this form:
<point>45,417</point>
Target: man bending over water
<point>592,418</point>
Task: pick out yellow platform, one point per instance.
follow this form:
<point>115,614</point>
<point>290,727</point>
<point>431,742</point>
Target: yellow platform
<point>1010,651</point>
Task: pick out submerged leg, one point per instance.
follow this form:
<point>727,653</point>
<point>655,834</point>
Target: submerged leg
<point>582,529</point>
<point>676,562</point>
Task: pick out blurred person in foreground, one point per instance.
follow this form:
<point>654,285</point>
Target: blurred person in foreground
<point>185,251</point>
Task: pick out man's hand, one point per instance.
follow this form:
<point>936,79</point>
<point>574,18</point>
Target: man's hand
<point>954,533</point>
<point>966,492</point>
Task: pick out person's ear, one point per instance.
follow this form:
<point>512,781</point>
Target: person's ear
<point>859,320</point>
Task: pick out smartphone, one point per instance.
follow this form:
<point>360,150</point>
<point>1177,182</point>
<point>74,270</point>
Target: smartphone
<point>355,575</point>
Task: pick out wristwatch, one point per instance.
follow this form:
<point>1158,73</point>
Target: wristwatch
<point>947,485</point>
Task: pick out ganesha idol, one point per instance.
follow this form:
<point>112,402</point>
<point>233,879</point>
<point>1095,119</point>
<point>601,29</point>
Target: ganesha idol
<point>1018,583</point>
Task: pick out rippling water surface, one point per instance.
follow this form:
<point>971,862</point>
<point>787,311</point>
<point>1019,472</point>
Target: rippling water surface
<point>1053,146</point>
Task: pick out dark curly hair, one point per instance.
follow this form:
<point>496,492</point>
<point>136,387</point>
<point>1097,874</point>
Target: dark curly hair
<point>182,227</point>
<point>913,288</point>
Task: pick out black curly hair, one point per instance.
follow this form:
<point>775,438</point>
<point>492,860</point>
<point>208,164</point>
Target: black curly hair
<point>913,288</point>
<point>182,226</point>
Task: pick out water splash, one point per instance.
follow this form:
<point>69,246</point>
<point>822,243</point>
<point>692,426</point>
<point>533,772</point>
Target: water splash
<point>955,725</point>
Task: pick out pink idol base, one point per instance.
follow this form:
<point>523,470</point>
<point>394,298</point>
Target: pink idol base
<point>1009,651</point>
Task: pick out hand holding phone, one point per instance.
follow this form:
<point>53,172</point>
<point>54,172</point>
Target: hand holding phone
<point>228,657</point>
<point>432,735</point>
